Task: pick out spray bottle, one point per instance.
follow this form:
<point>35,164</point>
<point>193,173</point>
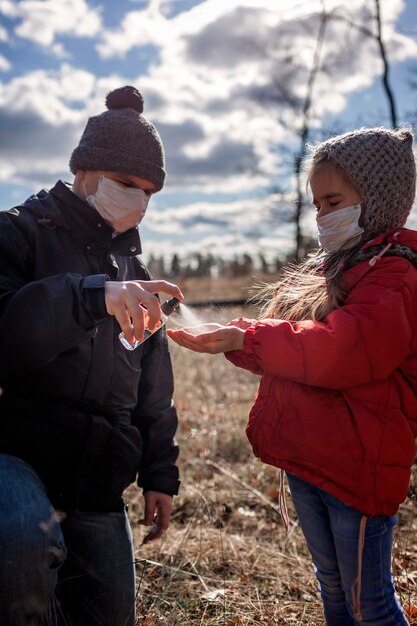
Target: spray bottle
<point>167,308</point>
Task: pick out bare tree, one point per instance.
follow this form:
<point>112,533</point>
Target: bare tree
<point>385,75</point>
<point>297,112</point>
<point>306,111</point>
<point>377,36</point>
<point>304,132</point>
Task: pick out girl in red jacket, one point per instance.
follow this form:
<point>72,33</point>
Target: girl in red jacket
<point>336,349</point>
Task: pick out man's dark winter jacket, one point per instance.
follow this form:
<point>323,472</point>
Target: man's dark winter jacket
<point>85,412</point>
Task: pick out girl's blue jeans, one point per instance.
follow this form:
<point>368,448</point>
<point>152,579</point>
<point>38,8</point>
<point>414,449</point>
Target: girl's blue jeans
<point>331,529</point>
<point>77,573</point>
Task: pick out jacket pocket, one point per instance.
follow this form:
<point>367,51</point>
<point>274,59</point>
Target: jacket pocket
<point>109,464</point>
<point>325,433</point>
<point>308,427</point>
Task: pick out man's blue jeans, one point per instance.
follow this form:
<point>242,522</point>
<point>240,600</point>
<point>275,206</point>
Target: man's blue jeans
<point>77,573</point>
<point>331,529</point>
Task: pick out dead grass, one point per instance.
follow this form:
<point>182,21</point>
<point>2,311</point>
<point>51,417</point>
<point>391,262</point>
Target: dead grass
<point>226,559</point>
<point>200,289</point>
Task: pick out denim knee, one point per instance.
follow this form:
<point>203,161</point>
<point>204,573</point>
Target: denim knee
<point>330,583</point>
<point>31,543</point>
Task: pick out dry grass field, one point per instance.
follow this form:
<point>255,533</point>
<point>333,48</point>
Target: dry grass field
<point>226,559</point>
<point>197,289</point>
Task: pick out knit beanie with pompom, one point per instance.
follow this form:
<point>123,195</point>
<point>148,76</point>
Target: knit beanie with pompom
<point>381,166</point>
<point>122,140</point>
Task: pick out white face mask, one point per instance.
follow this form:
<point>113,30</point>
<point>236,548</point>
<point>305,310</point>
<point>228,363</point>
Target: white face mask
<point>122,207</point>
<point>340,229</point>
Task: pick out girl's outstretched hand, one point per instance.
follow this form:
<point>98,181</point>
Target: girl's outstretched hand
<point>203,339</point>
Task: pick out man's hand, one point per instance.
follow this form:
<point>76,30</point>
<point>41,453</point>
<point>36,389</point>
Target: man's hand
<point>221,339</point>
<point>135,306</point>
<point>158,508</point>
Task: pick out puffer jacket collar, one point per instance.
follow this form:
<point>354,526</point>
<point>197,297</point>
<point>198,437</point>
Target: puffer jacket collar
<point>401,236</point>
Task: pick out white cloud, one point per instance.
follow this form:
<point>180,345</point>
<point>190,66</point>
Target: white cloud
<point>226,245</point>
<point>46,95</point>
<point>58,51</point>
<point>138,28</point>
<point>41,21</point>
<point>5,65</point>
<point>8,8</point>
<point>238,71</point>
<point>39,124</point>
<point>3,34</point>
<point>222,94</point>
<point>224,228</point>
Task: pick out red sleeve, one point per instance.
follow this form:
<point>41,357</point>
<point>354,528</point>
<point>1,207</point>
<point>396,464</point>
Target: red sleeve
<point>245,361</point>
<point>364,340</point>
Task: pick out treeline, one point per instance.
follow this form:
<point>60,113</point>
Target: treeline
<point>209,265</point>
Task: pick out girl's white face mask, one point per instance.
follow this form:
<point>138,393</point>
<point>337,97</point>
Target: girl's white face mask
<point>122,207</point>
<point>340,229</point>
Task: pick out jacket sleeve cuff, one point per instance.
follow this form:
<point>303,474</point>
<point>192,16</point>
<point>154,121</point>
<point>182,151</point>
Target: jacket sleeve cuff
<point>163,484</point>
<point>93,296</point>
<point>246,358</point>
<point>249,340</point>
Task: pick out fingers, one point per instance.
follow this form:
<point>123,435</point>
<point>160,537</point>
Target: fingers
<point>176,336</point>
<point>158,508</point>
<point>162,286</point>
<point>158,528</point>
<point>223,339</point>
<point>241,322</point>
<point>205,342</point>
<point>199,332</point>
<point>115,294</point>
<point>135,306</point>
<point>144,310</point>
<point>201,329</point>
<point>153,534</point>
<point>183,338</point>
<point>125,324</point>
<point>142,306</point>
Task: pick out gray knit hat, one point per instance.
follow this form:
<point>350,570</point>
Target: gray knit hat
<point>380,163</point>
<point>121,140</point>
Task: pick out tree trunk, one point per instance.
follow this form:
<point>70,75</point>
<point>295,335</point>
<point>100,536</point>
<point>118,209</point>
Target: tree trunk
<point>304,133</point>
<point>385,77</point>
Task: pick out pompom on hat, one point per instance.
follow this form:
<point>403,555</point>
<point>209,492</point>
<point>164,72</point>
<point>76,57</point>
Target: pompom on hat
<point>380,164</point>
<point>122,140</point>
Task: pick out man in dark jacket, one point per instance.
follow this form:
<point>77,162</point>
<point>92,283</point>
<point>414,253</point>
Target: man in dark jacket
<point>81,416</point>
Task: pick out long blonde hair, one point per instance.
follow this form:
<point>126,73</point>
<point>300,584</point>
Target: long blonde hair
<point>310,290</point>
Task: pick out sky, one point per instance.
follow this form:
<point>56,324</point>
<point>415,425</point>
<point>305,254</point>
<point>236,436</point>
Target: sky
<point>224,82</point>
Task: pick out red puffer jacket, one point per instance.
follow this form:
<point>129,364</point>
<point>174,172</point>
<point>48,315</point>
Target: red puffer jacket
<point>337,402</point>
